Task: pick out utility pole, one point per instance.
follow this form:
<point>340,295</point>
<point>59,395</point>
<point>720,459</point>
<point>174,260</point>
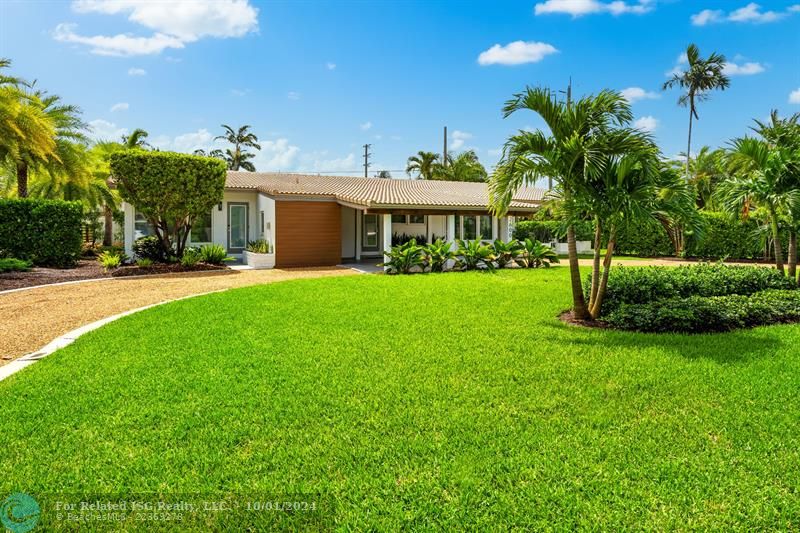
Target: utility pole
<point>444,154</point>
<point>366,159</point>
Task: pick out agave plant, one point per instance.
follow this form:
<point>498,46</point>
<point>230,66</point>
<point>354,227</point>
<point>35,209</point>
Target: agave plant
<point>472,255</point>
<point>403,258</point>
<point>507,252</point>
<point>537,255</point>
<point>438,254</point>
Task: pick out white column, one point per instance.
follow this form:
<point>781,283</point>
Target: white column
<point>128,230</point>
<point>451,229</point>
<point>359,219</point>
<point>387,236</point>
<point>496,228</point>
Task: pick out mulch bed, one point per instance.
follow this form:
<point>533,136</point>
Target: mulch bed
<point>89,269</point>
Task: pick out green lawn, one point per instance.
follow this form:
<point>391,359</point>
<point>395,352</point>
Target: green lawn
<point>416,402</point>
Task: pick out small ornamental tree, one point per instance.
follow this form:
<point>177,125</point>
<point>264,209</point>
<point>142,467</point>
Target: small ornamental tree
<point>170,190</point>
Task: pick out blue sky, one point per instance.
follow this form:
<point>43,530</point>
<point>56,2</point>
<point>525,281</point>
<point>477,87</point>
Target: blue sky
<point>318,80</point>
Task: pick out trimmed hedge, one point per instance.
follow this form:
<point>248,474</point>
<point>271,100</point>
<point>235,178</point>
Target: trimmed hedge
<point>644,285</point>
<point>46,232</point>
<point>550,230</point>
<point>698,314</point>
<point>647,238</point>
<point>725,236</point>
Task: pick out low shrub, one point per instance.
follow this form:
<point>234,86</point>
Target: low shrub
<point>646,238</point>
<point>405,258</point>
<point>551,230</point>
<point>12,264</point>
<point>259,246</point>
<point>724,236</point>
<point>507,253</point>
<point>640,285</point>
<point>698,314</point>
<point>109,260</point>
<point>438,255</point>
<point>45,232</point>
<point>213,254</point>
<point>474,255</point>
<point>190,257</point>
<point>143,262</point>
<point>149,248</point>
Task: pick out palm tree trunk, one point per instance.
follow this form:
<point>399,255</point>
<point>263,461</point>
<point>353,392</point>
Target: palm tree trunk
<point>601,290</point>
<point>108,226</point>
<point>595,261</point>
<point>776,238</point>
<point>793,255</point>
<point>22,180</point>
<point>689,142</point>
<point>579,309</point>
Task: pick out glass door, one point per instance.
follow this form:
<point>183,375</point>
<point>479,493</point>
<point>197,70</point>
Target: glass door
<point>237,227</point>
<point>370,238</point>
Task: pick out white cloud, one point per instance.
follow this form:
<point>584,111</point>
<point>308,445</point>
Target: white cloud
<point>322,162</point>
<point>122,106</point>
<point>634,94</point>
<point>173,23</point>
<point>201,139</point>
<point>752,13</point>
<point>647,123</point>
<point>458,139</point>
<point>133,71</point>
<point>794,96</point>
<point>239,92</point>
<point>292,95</point>
<point>365,126</point>
<point>279,154</point>
<point>578,8</point>
<point>516,53</point>
<point>330,66</point>
<point>745,69</point>
<point>103,130</point>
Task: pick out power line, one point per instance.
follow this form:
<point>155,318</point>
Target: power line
<point>366,159</point>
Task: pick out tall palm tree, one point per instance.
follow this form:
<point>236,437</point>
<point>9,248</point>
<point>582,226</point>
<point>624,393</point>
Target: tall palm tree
<point>575,146</point>
<point>463,167</point>
<point>237,157</point>
<point>707,171</point>
<point>700,77</point>
<point>422,164</point>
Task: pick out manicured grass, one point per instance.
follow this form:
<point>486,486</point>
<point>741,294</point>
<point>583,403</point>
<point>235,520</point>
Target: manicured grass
<point>453,401</point>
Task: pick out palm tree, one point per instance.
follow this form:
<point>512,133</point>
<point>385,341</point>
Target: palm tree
<point>238,158</point>
<point>760,176</point>
<point>136,139</point>
<point>463,167</point>
<point>707,171</point>
<point>700,77</point>
<point>575,147</point>
<point>422,164</point>
<point>216,153</point>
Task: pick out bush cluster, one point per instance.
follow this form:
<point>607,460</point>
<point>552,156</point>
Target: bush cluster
<point>550,230</point>
<point>725,236</point>
<point>11,264</point>
<point>639,285</point>
<point>45,232</point>
<point>698,314</point>
<point>647,238</point>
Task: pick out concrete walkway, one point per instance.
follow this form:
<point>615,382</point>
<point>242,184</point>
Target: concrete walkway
<point>34,317</point>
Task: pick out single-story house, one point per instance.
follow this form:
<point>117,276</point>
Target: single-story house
<point>313,220</point>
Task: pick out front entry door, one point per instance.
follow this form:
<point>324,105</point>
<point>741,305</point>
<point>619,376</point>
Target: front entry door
<point>371,236</point>
<point>237,227</point>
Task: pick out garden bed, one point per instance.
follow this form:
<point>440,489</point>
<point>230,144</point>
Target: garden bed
<point>163,268</point>
<point>86,269</point>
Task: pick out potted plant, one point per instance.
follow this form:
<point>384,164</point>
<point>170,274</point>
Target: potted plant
<point>259,254</point>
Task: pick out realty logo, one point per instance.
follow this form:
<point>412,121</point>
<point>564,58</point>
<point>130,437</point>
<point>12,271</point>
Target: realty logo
<point>19,513</point>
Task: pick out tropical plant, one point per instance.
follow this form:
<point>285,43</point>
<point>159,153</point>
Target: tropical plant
<point>700,77</point>
<point>535,254</point>
<point>577,147</point>
<point>438,254</point>
<point>259,246</point>
<point>474,255</point>
<point>760,175</point>
<point>707,171</point>
<point>136,139</point>
<point>191,256</point>
<point>422,164</point>
<point>11,264</point>
<point>144,262</point>
<point>213,254</point>
<point>463,167</point>
<point>109,260</point>
<point>149,247</point>
<point>507,253</point>
<point>216,153</point>
<point>241,139</point>
<point>404,258</point>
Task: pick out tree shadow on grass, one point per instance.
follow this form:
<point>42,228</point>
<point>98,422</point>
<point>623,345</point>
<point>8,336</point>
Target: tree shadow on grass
<point>738,346</point>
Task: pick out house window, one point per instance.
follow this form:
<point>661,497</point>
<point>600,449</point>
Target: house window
<point>486,227</point>
<point>416,219</point>
<point>201,228</point>
<point>262,224</point>
<point>141,227</point>
<point>398,219</point>
<point>469,228</point>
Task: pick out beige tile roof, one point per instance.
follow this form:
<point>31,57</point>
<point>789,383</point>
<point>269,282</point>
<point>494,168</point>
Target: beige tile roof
<point>381,193</point>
